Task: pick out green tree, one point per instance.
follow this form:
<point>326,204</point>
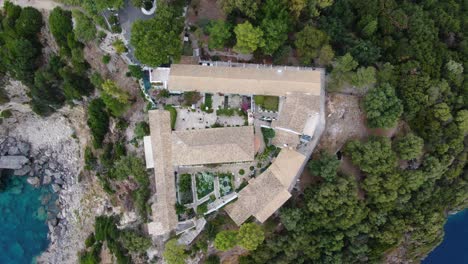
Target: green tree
<point>342,71</point>
<point>409,147</point>
<point>135,242</point>
<point>135,71</point>
<point>29,22</point>
<point>296,7</point>
<point>462,120</point>
<point>249,38</point>
<point>275,25</point>
<point>374,156</point>
<point>85,30</point>
<point>246,7</point>
<point>364,77</point>
<point>382,106</point>
<point>60,23</point>
<point>174,253</point>
<point>157,40</point>
<point>225,240</point>
<point>98,121</point>
<point>250,236</point>
<point>19,57</point>
<point>308,42</point>
<point>442,112</point>
<point>220,33</point>
<point>141,130</point>
<point>115,98</point>
<point>325,56</point>
<point>326,166</point>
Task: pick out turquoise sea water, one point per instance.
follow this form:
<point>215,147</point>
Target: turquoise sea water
<point>23,220</point>
<point>454,248</point>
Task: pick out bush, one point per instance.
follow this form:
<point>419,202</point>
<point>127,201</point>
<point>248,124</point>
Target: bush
<point>135,242</point>
<point>141,130</point>
<point>106,59</point>
<point>119,46</point>
<point>90,159</point>
<point>135,71</point>
<point>6,113</point>
<point>202,208</point>
<point>268,133</point>
<point>241,171</point>
<point>90,240</point>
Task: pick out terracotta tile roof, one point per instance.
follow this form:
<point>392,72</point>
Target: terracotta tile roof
<point>213,145</point>
<point>164,215</point>
<point>240,80</point>
<point>265,194</point>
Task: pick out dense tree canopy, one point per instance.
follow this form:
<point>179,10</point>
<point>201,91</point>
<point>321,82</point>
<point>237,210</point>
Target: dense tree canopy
<point>326,166</point>
<point>309,42</point>
<point>409,146</point>
<point>158,40</point>
<point>382,106</point>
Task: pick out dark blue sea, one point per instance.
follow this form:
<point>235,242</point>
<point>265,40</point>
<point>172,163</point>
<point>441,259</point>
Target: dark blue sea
<point>454,248</point>
<point>23,220</point>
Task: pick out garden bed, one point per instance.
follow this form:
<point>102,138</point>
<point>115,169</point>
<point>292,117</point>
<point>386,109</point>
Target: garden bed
<point>185,188</point>
<point>205,184</point>
<point>226,183</point>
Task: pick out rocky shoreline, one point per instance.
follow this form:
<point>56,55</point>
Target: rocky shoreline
<point>41,168</point>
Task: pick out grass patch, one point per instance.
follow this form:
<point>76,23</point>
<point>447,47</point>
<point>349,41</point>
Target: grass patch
<point>226,183</point>
<point>267,102</point>
<point>173,112</point>
<point>205,183</point>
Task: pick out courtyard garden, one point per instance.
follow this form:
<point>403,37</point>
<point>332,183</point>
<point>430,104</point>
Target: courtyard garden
<point>269,103</point>
<point>185,188</point>
<point>226,183</point>
<point>205,183</point>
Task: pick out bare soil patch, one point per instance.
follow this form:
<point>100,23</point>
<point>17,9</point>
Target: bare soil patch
<point>345,120</point>
<point>204,10</point>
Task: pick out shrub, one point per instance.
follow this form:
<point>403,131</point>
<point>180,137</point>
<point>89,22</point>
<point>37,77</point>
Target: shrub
<point>141,130</point>
<point>6,113</point>
<point>90,240</point>
<point>251,168</point>
<point>268,134</point>
<point>135,71</point>
<point>202,208</point>
<point>241,171</point>
<point>119,46</point>
<point>135,242</point>
<point>106,59</point>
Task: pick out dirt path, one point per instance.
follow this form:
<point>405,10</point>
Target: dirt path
<point>39,4</point>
